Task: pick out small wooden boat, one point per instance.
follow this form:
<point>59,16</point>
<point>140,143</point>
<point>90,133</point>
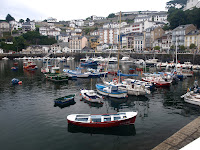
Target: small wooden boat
<point>14,68</point>
<point>91,96</point>
<point>57,77</point>
<point>103,120</point>
<point>69,99</point>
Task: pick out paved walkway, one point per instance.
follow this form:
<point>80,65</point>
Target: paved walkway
<point>181,138</point>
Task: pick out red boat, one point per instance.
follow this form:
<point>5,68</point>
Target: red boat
<point>158,81</point>
<point>29,65</point>
<point>103,120</point>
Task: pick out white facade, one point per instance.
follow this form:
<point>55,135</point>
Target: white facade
<point>79,23</point>
<point>94,33</point>
<point>50,19</point>
<point>142,19</point>
<point>97,18</point>
<point>15,25</point>
<point>1,51</point>
<point>63,38</point>
<point>49,31</point>
<point>91,23</point>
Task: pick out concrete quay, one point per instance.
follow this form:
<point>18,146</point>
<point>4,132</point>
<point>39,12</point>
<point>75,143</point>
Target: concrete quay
<point>183,137</point>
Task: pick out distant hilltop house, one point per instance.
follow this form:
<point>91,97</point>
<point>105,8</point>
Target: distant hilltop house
<point>191,4</point>
<point>97,18</point>
<point>50,19</point>
<point>28,26</point>
<point>4,26</point>
<point>15,25</point>
<point>49,31</point>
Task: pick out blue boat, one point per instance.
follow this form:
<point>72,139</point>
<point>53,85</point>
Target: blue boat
<point>89,63</point>
<point>126,75</point>
<point>111,91</point>
<point>69,99</point>
<point>15,81</point>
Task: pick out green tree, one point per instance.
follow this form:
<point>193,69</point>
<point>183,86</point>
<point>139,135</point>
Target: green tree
<point>176,17</point>
<point>192,46</point>
<point>9,18</point>
<point>111,15</point>
<point>21,20</point>
<point>181,47</point>
<point>157,48</point>
<point>28,20</point>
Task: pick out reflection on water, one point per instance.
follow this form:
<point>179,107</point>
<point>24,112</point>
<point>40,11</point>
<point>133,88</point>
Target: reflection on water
<point>125,130</point>
<point>28,115</point>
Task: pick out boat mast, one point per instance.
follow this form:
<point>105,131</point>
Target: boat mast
<point>176,53</point>
<point>119,39</point>
<point>119,44</point>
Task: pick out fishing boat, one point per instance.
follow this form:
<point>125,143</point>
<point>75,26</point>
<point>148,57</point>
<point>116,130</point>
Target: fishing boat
<point>29,65</point>
<point>76,73</point>
<point>193,95</point>
<point>89,63</point>
<point>102,120</point>
<point>91,96</point>
<point>69,99</point>
<point>111,91</point>
<point>132,89</point>
<point>56,76</point>
<point>158,81</point>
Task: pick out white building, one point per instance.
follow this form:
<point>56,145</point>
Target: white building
<point>97,18</point>
<point>15,25</point>
<point>108,36</point>
<point>142,19</point>
<point>94,33</point>
<point>1,51</point>
<point>63,38</point>
<point>91,23</point>
<point>50,19</point>
<point>191,4</point>
<point>79,23</point>
<point>49,31</point>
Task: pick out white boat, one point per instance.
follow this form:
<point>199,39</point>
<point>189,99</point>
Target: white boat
<point>91,96</point>
<point>102,120</point>
<point>193,95</point>
<point>5,58</point>
<point>132,89</point>
<point>126,60</point>
<point>70,58</point>
<point>76,73</point>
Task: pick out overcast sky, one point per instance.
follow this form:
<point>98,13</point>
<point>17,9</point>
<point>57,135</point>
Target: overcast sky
<point>74,9</point>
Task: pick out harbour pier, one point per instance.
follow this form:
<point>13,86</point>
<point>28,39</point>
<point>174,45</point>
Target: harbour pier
<point>183,137</point>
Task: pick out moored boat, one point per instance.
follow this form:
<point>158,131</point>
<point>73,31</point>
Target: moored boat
<point>69,99</point>
<point>111,91</point>
<point>91,96</point>
<point>102,120</point>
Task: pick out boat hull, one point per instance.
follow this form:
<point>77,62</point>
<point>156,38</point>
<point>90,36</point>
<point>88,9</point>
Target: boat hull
<point>104,124</point>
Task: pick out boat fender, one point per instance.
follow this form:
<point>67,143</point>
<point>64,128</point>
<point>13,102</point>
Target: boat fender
<point>115,80</point>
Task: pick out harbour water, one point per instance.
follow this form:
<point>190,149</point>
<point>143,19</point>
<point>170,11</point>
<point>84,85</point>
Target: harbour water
<point>29,119</point>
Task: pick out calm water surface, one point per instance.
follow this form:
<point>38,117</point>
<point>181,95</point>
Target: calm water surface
<point>29,120</point>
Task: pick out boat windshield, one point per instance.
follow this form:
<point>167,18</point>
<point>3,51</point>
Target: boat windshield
<point>117,118</point>
<point>81,119</point>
